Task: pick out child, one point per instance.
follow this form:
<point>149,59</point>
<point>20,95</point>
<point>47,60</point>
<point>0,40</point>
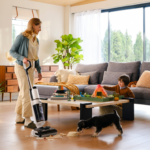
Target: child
<point>123,89</point>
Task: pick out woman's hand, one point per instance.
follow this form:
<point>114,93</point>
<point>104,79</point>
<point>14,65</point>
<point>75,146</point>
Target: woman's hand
<point>39,76</point>
<point>25,60</point>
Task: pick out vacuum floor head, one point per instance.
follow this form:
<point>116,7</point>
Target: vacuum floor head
<point>44,132</point>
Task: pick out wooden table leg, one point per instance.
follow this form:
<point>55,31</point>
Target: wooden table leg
<point>128,110</point>
<point>58,107</point>
<point>10,97</point>
<point>2,96</point>
<point>85,113</point>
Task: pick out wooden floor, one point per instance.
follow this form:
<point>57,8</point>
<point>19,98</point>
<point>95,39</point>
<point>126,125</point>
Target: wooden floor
<point>136,134</point>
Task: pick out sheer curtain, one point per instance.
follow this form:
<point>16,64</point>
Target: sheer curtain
<point>87,27</point>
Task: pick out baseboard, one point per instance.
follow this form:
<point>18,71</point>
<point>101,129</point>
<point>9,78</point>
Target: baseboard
<point>14,96</point>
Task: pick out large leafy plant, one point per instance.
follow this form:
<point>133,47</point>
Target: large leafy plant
<point>68,51</point>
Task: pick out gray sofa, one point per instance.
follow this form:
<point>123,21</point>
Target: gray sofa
<point>106,74</point>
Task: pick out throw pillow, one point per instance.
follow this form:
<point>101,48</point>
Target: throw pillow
<point>94,76</point>
<point>77,79</point>
<point>144,80</point>
<point>62,74</point>
<point>112,77</point>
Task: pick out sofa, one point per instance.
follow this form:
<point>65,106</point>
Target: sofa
<point>105,74</point>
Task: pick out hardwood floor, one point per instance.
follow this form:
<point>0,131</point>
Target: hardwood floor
<point>136,134</point>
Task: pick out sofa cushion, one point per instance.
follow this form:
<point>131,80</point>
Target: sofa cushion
<point>62,74</point>
<point>144,80</point>
<point>112,77</point>
<point>53,79</point>
<point>77,79</point>
<point>145,66</point>
<point>93,76</point>
<point>141,93</point>
<point>46,89</point>
<point>131,67</point>
<point>81,68</point>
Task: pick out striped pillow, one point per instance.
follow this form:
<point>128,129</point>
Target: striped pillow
<point>77,79</point>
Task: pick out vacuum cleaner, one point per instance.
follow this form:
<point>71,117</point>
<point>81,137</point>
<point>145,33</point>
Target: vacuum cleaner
<point>37,110</point>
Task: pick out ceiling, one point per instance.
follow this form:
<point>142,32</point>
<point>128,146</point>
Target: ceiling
<point>68,2</point>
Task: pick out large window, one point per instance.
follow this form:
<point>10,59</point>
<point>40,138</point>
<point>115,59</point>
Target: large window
<point>126,38</point>
<point>18,26</point>
<point>125,33</point>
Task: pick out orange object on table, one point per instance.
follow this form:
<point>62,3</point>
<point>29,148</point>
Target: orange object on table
<point>116,98</point>
<point>99,88</point>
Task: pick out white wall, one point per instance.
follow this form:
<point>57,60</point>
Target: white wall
<point>52,18</point>
<point>107,5</point>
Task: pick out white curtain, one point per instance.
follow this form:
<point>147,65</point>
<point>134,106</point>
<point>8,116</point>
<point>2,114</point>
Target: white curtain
<point>87,27</point>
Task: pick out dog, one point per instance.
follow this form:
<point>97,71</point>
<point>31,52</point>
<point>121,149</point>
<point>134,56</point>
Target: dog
<point>101,122</point>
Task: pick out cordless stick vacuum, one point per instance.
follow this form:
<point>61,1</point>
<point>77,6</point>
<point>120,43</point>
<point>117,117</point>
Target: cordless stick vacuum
<point>37,110</point>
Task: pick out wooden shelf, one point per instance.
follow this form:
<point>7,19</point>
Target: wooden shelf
<point>9,79</point>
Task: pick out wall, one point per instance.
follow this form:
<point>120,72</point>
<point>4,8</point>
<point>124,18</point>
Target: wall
<point>52,18</point>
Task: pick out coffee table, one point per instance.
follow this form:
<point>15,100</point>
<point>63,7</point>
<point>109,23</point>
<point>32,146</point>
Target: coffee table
<point>86,107</point>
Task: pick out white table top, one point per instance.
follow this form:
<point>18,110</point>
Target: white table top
<point>78,102</point>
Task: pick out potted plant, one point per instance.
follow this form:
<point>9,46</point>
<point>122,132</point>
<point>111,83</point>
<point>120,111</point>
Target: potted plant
<point>68,51</point>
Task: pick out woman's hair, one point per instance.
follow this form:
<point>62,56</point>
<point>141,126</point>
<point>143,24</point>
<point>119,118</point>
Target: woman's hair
<point>29,31</point>
<point>125,78</point>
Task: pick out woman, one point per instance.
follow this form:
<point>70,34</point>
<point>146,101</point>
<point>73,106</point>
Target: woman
<point>26,47</point>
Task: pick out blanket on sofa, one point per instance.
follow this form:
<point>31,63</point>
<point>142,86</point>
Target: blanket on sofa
<point>73,88</point>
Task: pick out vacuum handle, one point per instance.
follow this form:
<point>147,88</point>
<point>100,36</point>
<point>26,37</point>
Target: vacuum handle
<point>27,68</point>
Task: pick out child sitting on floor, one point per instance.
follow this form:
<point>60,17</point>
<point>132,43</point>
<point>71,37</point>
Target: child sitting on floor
<point>123,89</point>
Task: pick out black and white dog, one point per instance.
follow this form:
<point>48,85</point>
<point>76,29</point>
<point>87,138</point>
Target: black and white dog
<point>101,122</point>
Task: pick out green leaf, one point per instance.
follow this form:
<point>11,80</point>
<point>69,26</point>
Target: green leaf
<point>56,61</point>
<point>64,37</point>
<point>53,55</point>
<point>59,45</point>
<point>70,37</point>
<point>56,57</point>
<point>66,64</point>
<point>79,40</point>
<point>71,42</point>
<point>77,56</point>
<point>65,43</point>
<point>57,41</point>
<point>73,49</point>
<point>58,49</point>
<point>81,56</point>
<point>73,54</point>
<point>78,46</point>
<point>64,59</point>
<point>68,55</point>
<point>1,83</point>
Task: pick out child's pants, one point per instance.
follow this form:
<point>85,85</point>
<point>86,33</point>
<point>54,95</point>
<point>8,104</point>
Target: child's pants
<point>110,109</point>
<point>23,106</point>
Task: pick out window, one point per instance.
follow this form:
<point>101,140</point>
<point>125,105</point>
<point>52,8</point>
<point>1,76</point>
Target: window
<point>20,23</point>
<point>147,33</point>
<point>126,35</point>
<point>104,37</point>
<point>18,26</point>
